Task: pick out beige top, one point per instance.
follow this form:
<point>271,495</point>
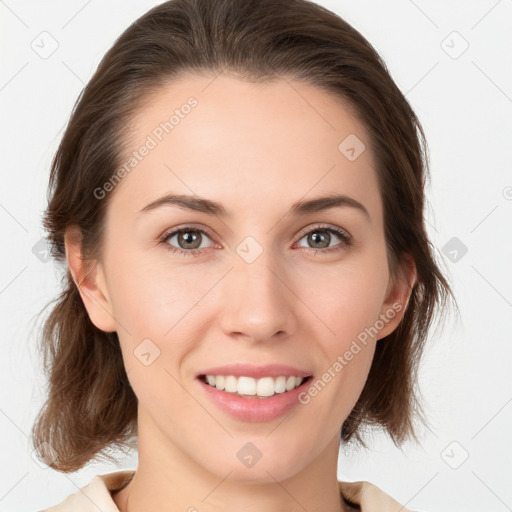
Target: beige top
<point>95,496</point>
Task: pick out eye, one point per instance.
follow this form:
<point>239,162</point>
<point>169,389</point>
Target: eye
<point>321,237</point>
<point>189,241</point>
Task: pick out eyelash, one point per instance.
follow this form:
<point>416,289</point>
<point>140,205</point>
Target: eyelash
<point>346,240</point>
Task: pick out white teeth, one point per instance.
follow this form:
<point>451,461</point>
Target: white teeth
<point>230,384</point>
<point>248,386</point>
<point>280,384</point>
<point>265,386</point>
<point>219,382</point>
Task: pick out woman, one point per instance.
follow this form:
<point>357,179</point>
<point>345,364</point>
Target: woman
<point>238,198</point>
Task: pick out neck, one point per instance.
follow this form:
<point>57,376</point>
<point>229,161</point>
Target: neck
<point>167,478</point>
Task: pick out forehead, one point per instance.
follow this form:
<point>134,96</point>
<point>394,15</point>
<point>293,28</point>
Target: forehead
<point>245,144</point>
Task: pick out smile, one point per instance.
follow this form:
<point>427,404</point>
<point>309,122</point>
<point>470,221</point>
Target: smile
<point>251,387</point>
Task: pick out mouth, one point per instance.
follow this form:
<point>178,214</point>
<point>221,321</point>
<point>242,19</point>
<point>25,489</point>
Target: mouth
<point>254,394</point>
<point>255,388</point>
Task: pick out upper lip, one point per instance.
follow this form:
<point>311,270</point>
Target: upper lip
<point>249,370</point>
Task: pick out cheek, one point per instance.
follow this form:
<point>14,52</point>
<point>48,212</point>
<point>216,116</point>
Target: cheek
<point>157,305</point>
<point>149,296</point>
<point>346,298</point>
<point>156,309</point>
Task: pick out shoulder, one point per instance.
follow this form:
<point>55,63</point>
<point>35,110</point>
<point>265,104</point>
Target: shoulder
<point>369,498</point>
<point>96,495</point>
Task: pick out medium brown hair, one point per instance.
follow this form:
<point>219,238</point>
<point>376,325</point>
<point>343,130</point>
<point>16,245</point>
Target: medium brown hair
<point>90,406</point>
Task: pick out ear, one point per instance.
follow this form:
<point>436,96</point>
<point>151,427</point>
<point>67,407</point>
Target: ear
<point>397,296</point>
<point>90,281</point>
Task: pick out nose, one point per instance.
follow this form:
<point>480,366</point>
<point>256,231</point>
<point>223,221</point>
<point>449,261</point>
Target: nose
<point>257,300</point>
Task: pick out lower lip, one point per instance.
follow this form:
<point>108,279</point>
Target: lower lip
<point>255,409</point>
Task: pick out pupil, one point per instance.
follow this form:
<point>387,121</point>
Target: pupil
<point>315,238</point>
<point>189,238</point>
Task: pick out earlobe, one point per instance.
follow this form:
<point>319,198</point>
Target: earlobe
<point>398,295</point>
<point>88,277</point>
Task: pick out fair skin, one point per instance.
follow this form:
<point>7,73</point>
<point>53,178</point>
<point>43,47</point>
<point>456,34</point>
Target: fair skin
<point>257,149</point>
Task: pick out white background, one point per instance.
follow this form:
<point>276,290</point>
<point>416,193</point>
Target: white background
<point>465,106</point>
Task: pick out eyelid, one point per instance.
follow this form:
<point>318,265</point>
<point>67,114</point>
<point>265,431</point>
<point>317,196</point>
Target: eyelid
<point>300,234</point>
<point>322,225</point>
<point>184,227</point>
<point>346,239</point>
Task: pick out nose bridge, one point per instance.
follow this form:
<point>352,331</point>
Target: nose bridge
<point>256,300</point>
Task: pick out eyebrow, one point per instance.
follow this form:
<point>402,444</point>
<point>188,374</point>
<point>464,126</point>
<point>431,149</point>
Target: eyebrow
<point>200,204</point>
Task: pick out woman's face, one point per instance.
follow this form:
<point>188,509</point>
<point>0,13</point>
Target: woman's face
<point>253,282</point>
